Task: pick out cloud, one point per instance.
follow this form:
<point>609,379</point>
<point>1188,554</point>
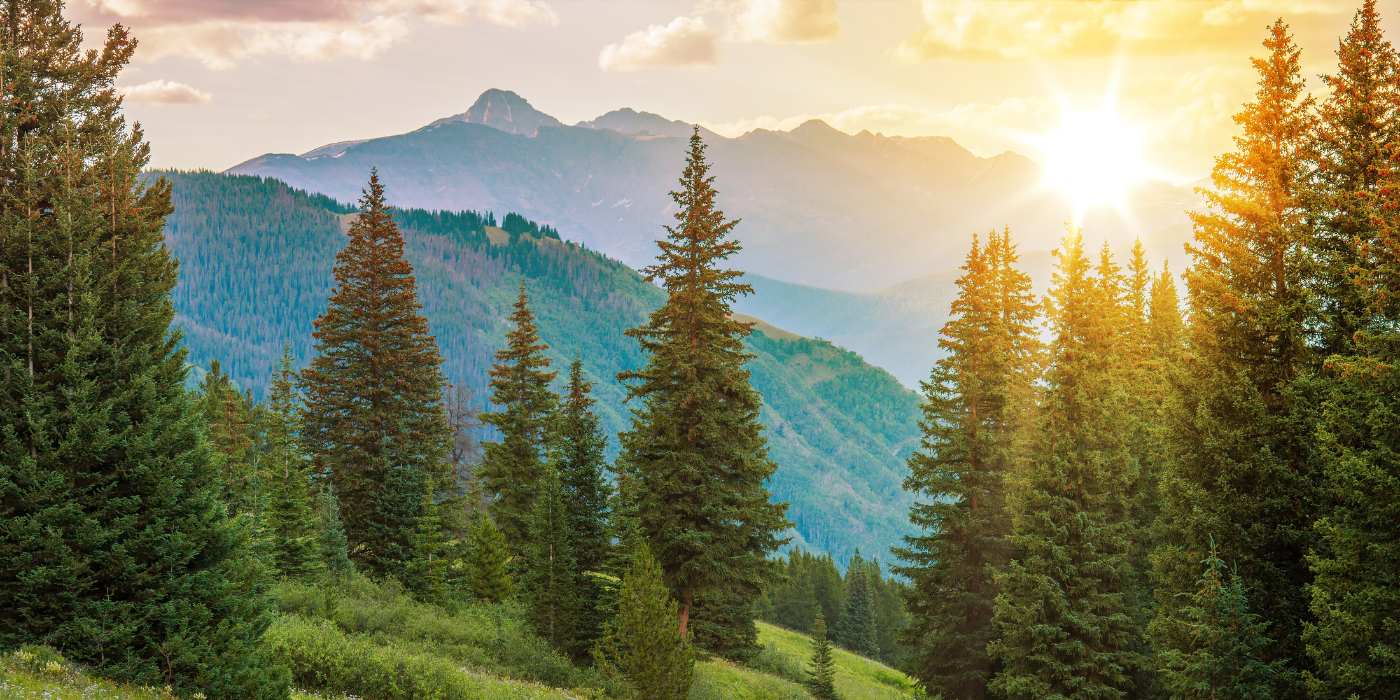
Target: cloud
<point>684,42</point>
<point>222,32</point>
<point>1015,29</point>
<point>164,92</point>
<point>798,21</point>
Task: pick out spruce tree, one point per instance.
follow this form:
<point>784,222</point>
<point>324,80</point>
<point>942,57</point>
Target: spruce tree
<point>858,633</point>
<point>1242,459</point>
<point>524,411</point>
<point>550,579</point>
<point>289,524</point>
<point>330,537</point>
<point>643,649</point>
<point>227,427</point>
<point>372,423</point>
<point>115,545</point>
<point>974,419</point>
<point>577,455</point>
<point>822,684</point>
<point>426,573</point>
<point>695,448</point>
<point>1067,613</point>
<point>487,562</point>
<point>1357,124</point>
<point>1223,661</point>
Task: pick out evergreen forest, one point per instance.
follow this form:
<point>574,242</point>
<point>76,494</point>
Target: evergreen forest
<point>259,444</point>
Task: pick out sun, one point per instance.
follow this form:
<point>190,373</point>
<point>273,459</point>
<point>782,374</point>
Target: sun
<point>1094,156</point>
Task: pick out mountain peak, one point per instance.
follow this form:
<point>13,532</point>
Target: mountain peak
<point>503,110</point>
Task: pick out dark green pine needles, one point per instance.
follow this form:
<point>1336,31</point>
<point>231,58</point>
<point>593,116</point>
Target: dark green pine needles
<point>577,455</point>
<point>822,681</point>
<point>115,546</point>
<point>373,424</point>
<point>695,453</point>
<point>643,648</point>
<point>512,468</point>
<point>550,576</point>
<point>288,519</point>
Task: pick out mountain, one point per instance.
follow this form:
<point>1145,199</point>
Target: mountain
<point>255,271</point>
<point>819,207</point>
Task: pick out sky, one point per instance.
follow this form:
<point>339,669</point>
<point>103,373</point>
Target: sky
<point>216,82</point>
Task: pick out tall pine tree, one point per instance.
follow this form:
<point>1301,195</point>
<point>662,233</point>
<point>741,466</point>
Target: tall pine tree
<point>1067,615</point>
<point>372,423</point>
<point>511,469</point>
<point>858,632</point>
<point>1242,461</point>
<point>974,421</point>
<point>115,547</point>
<point>577,455</point>
<point>550,579</point>
<point>289,520</point>
<point>695,447</point>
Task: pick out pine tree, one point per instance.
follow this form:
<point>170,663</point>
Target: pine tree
<point>1066,614</point>
<point>116,547</point>
<point>1223,660</point>
<point>1242,462</point>
<point>373,424</point>
<point>512,468</point>
<point>289,522</point>
<point>550,580</point>
<point>426,573</point>
<point>227,421</point>
<point>695,447</point>
<point>858,633</point>
<point>488,561</point>
<point>643,649</point>
<point>1356,124</point>
<point>330,537</point>
<point>577,455</point>
<point>822,684</point>
<point>974,418</point>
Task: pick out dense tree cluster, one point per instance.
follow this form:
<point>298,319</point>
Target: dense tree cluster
<point>1159,506</point>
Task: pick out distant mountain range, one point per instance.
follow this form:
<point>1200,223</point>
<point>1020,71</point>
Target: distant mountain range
<point>853,238</point>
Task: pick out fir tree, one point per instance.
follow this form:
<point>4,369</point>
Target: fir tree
<point>643,648</point>
<point>1242,462</point>
<point>330,536</point>
<point>227,420</point>
<point>487,562</point>
<point>550,579</point>
<point>1066,613</point>
<point>116,547</point>
<point>1357,123</point>
<point>1223,660</point>
<point>289,521</point>
<point>974,422</point>
<point>426,574</point>
<point>695,447</point>
<point>524,409</point>
<point>577,455</point>
<point>372,421</point>
<point>822,683</point>
<point>858,633</point>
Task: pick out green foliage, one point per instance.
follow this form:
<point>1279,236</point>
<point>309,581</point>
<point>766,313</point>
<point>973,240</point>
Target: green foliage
<point>426,573</point>
<point>289,522</point>
<point>857,628</point>
<point>811,587</point>
<point>1067,612</point>
<point>115,546</point>
<point>1223,661</point>
<point>978,401</point>
<point>372,422</point>
<point>822,681</point>
<point>643,649</point>
<point>487,562</point>
<point>786,654</point>
<point>550,578</point>
<point>695,451</point>
<point>577,455</point>
<point>513,468</point>
<point>330,536</point>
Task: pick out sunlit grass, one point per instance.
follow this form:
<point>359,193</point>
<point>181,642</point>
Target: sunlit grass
<point>857,678</point>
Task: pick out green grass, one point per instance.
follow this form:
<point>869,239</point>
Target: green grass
<point>787,653</point>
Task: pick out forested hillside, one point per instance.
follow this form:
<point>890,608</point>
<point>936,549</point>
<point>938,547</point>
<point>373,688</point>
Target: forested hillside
<point>256,258</point>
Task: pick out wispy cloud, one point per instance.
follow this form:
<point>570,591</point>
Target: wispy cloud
<point>165,92</point>
<point>222,32</point>
<point>686,41</point>
<point>782,21</point>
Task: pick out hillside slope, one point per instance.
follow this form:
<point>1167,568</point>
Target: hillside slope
<point>256,259</point>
